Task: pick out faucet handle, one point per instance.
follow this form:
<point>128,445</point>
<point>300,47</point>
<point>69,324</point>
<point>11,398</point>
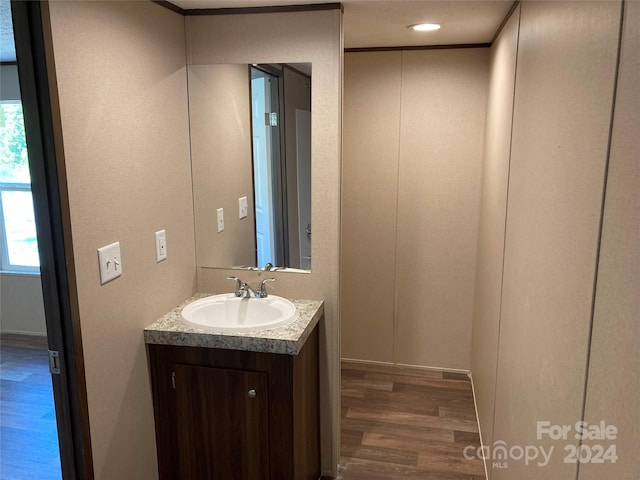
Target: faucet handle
<point>239,285</point>
<point>262,289</point>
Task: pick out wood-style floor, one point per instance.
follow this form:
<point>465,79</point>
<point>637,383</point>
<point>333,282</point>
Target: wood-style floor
<point>406,423</point>
<point>28,433</point>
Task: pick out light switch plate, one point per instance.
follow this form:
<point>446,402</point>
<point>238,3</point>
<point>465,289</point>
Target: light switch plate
<point>110,262</point>
<point>220,220</point>
<point>242,207</point>
<point>161,245</point>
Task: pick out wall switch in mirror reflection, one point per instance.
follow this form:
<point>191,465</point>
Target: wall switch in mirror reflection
<point>242,207</point>
<point>220,220</point>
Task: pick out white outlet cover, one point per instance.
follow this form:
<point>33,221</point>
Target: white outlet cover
<point>161,245</point>
<point>242,207</point>
<point>109,262</point>
<point>220,220</point>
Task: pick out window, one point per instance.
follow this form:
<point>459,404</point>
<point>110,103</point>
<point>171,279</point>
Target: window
<point>18,242</point>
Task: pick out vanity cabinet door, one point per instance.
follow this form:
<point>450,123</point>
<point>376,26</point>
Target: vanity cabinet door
<point>222,423</point>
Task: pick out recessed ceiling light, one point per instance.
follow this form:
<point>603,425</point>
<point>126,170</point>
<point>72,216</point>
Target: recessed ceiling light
<point>425,27</point>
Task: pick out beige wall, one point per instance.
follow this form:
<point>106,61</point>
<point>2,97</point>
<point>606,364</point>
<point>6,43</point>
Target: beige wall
<point>21,305</point>
<point>566,66</point>
<point>220,122</point>
<point>314,37</point>
<point>491,229</point>
<point>369,187</point>
<point>613,388</point>
<point>444,98</point>
<point>414,131</point>
<point>563,97</point>
<point>125,132</point>
<point>564,84</point>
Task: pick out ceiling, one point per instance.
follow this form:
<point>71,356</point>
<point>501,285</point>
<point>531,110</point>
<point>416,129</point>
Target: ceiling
<point>383,23</point>
<point>367,23</point>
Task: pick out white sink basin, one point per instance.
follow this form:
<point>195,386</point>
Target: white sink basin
<point>226,312</point>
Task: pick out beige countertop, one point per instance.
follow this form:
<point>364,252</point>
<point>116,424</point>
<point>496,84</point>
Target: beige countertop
<point>288,339</point>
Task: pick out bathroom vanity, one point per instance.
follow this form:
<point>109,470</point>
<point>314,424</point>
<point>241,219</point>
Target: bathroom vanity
<point>236,405</point>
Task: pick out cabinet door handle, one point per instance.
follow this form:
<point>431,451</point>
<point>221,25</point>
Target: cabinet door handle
<point>251,393</point>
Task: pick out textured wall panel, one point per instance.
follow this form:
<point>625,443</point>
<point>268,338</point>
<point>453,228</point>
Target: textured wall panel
<point>493,211</point>
<point>444,98</point>
<point>369,201</point>
<point>563,97</point>
<point>613,389</point>
<point>123,100</point>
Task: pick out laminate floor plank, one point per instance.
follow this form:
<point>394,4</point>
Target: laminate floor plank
<point>468,438</point>
<point>407,423</point>
<point>355,469</point>
<point>458,412</point>
<point>353,392</point>
<point>391,456</point>
<point>419,381</point>
<point>425,398</point>
<point>455,376</point>
<point>392,369</point>
<point>400,442</point>
<point>373,384</point>
<point>450,463</point>
<point>28,431</point>
<point>403,418</point>
<point>436,391</point>
<point>390,404</point>
<point>351,437</point>
<point>413,431</point>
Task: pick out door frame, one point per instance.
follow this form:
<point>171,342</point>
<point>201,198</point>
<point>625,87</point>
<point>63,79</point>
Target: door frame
<point>36,71</point>
<point>278,168</point>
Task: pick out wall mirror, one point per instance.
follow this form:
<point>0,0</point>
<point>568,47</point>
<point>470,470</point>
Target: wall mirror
<point>250,129</point>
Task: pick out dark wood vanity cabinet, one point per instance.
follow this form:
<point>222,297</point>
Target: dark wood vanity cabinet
<point>235,415</point>
<point>222,430</point>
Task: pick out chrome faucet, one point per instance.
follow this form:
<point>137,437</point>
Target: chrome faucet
<point>247,291</point>
<point>240,286</point>
<point>243,290</point>
<point>262,289</point>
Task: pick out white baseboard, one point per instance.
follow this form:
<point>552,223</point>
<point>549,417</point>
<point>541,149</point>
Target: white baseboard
<point>422,367</point>
<point>475,405</point>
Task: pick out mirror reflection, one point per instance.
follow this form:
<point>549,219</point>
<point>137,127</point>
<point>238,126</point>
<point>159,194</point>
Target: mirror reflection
<point>251,164</point>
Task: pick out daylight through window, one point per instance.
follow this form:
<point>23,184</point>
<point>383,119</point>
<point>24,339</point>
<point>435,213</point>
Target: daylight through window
<point>18,242</point>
